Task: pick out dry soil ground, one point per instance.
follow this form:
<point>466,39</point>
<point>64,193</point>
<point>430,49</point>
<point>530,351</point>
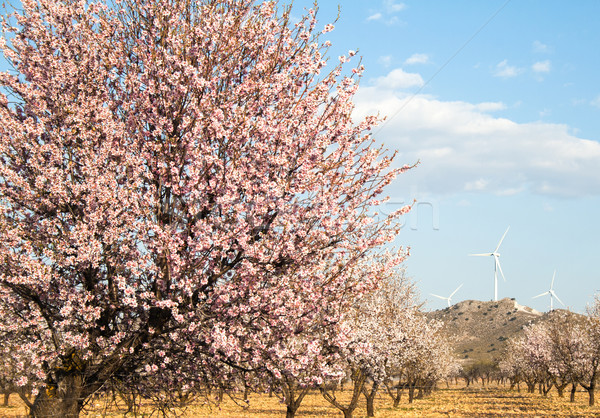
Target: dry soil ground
<point>476,401</point>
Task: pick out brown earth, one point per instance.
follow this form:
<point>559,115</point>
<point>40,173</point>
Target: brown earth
<point>452,401</point>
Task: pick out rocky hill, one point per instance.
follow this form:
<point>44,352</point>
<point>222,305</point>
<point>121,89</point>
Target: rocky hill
<point>480,329</point>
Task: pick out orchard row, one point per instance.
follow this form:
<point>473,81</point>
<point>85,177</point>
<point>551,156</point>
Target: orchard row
<point>562,352</point>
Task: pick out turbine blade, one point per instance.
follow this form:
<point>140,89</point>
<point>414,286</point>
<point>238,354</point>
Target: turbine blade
<point>499,267</point>
<point>552,284</point>
<point>557,298</point>
<point>438,296</point>
<point>540,295</point>
<point>452,294</point>
<point>482,255</point>
<point>501,239</point>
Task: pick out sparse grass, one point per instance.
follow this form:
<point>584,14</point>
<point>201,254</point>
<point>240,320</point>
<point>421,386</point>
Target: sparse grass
<point>453,401</point>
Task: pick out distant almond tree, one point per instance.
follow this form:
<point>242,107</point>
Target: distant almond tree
<point>316,356</point>
<point>591,370</point>
<point>181,185</point>
<point>562,351</point>
<point>393,347</point>
<point>425,358</point>
<point>377,325</point>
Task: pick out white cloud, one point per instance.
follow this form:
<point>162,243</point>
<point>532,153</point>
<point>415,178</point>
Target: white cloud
<point>393,7</point>
<point>399,79</point>
<point>385,60</point>
<point>547,207</point>
<point>388,20</point>
<point>540,47</point>
<point>417,59</point>
<point>392,21</point>
<point>462,147</point>
<point>390,7</point>
<point>490,106</point>
<point>506,71</point>
<point>596,102</point>
<point>476,185</point>
<point>541,67</point>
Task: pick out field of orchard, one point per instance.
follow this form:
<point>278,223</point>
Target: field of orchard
<point>551,369</point>
<point>452,400</point>
<point>398,363</point>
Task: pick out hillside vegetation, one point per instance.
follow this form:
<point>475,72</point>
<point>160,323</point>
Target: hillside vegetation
<point>479,330</point>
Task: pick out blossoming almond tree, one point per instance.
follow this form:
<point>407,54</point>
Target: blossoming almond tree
<point>592,344</point>
<point>539,354</point>
<point>319,354</point>
<point>378,324</point>
<point>424,358</point>
<point>562,339</point>
<point>384,319</point>
<point>564,350</point>
<point>181,183</point>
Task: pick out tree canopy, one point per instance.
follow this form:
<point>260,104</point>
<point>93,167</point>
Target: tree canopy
<point>181,185</point>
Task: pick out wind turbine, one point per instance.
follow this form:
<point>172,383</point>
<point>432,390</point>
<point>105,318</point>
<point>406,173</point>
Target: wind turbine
<point>449,298</point>
<point>497,267</point>
<point>551,293</point>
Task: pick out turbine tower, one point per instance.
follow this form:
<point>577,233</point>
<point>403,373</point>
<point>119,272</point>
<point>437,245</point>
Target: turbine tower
<point>551,293</point>
<point>449,298</point>
<point>497,267</point>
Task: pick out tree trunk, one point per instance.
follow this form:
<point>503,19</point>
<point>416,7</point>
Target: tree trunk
<point>246,392</point>
<point>370,397</point>
<point>62,398</point>
<point>398,396</point>
<point>370,406</point>
<point>25,398</point>
<point>590,390</point>
<point>428,388</point>
<point>6,396</point>
<point>419,393</point>
<point>530,387</point>
<point>573,390</point>
<point>547,387</point>
<point>220,395</point>
<point>561,389</point>
<point>411,393</point>
<point>358,380</point>
<point>395,391</point>
<point>290,411</point>
<point>291,400</point>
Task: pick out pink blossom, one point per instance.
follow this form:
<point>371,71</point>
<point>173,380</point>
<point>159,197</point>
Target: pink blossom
<point>182,178</point>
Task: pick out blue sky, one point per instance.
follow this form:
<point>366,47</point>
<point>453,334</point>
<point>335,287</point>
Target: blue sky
<point>500,102</point>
